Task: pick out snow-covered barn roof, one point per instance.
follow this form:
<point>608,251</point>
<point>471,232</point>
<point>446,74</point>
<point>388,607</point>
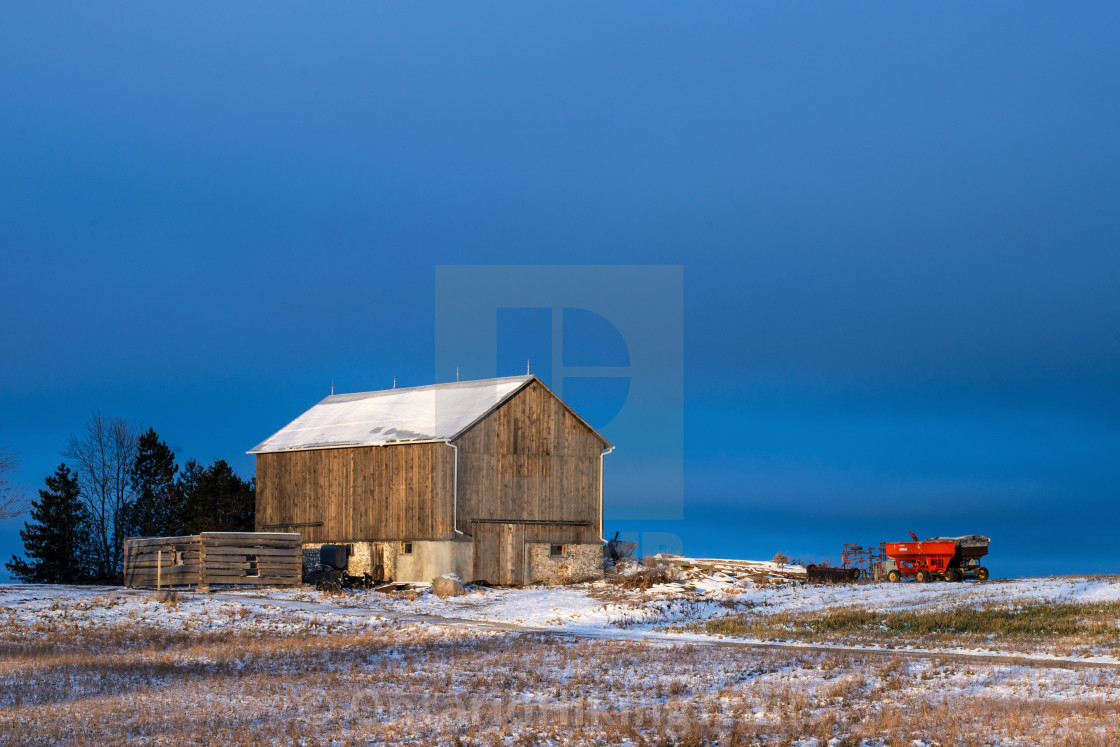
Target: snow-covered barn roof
<point>437,412</point>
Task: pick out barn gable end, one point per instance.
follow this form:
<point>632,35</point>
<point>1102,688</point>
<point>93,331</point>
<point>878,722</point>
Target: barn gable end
<point>530,459</point>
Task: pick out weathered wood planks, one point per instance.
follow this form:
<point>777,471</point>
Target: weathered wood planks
<point>401,491</point>
<point>532,460</point>
<point>272,558</point>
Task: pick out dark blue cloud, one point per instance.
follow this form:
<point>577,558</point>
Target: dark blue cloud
<point>897,226</point>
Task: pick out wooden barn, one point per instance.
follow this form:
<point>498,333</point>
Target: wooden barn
<point>495,480</point>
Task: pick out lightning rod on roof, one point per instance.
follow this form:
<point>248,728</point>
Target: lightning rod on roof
<point>332,387</point>
<point>526,366</point>
<point>456,373</point>
<point>394,382</point>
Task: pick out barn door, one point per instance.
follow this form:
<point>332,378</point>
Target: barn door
<point>485,553</point>
<point>499,553</point>
<point>377,561</point>
<point>511,555</point>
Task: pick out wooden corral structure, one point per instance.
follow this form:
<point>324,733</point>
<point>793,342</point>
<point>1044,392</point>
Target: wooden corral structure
<point>254,558</point>
<point>495,480</point>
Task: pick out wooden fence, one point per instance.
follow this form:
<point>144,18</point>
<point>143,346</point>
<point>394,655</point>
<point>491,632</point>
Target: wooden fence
<point>258,558</point>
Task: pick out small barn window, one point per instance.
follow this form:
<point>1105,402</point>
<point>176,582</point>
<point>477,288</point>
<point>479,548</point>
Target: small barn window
<point>253,569</point>
<point>555,551</point>
<point>178,553</point>
<point>406,548</point>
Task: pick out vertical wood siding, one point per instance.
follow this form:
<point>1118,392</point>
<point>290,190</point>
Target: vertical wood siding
<point>364,493</point>
<point>529,460</point>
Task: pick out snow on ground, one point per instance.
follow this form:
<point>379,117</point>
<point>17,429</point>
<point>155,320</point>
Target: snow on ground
<point>534,606</point>
<point>283,658</point>
<point>913,596</point>
<point>591,604</point>
<point>46,608</point>
<point>597,609</point>
<point>601,610</point>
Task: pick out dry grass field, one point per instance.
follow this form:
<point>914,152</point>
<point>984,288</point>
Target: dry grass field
<point>1061,629</point>
<point>106,667</point>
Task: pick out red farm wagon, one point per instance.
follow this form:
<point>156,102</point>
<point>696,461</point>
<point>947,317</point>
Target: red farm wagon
<point>948,558</point>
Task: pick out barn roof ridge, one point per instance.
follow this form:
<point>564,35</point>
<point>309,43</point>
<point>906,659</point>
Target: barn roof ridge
<point>352,396</point>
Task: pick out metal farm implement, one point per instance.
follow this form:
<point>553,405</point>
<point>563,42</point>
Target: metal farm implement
<point>332,575</point>
<point>862,562</point>
<point>946,558</point>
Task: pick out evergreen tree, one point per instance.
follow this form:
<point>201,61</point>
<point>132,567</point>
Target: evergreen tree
<point>189,496</point>
<point>57,539</point>
<point>155,510</point>
<point>215,499</point>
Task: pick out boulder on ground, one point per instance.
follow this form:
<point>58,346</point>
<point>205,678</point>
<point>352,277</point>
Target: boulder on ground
<point>448,585</point>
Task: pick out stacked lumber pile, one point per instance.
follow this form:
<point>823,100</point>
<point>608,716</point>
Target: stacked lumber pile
<point>162,561</point>
<point>251,558</point>
<point>740,570</point>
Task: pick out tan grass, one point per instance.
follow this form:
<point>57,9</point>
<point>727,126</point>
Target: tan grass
<point>1055,628</point>
<point>212,672</point>
<point>398,684</point>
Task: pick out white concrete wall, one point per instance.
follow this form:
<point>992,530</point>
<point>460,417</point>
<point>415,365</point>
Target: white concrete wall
<point>431,559</point>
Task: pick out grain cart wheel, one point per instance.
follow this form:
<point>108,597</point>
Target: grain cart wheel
<point>953,575</point>
<point>982,573</point>
<point>921,577</point>
<point>894,577</point>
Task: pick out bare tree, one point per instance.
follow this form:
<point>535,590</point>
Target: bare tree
<point>104,457</point>
<point>12,500</point>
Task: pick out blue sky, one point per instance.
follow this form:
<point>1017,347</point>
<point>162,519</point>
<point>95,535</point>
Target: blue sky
<point>897,226</point>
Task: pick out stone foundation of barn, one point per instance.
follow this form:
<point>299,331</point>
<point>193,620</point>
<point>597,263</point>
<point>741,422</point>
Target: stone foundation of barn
<point>572,564</point>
